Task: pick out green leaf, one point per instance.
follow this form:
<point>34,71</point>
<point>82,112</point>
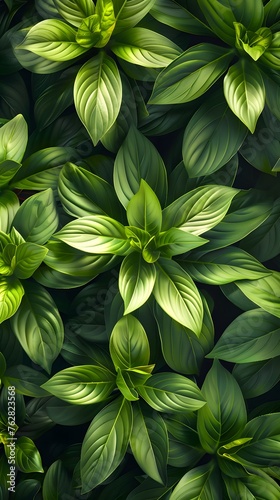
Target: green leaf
<point>56,482</point>
<point>9,205</point>
<point>38,326</point>
<point>257,378</point>
<point>129,345</point>
<point>212,137</point>
<point>27,489</point>
<point>271,14</point>
<point>95,234</point>
<point>145,47</point>
<point>107,436</point>
<point>177,295</point>
<point>105,11</point>
<point>251,487</point>
<point>37,218</point>
<point>130,13</point>
<point>11,293</point>
<point>98,95</point>
<point>26,380</point>
<point>191,74</point>
<point>149,488</point>
<point>271,57</point>
<point>89,32</point>
<point>265,292</point>
<point>176,241</point>
<point>253,43</point>
<point>131,165</point>
<point>136,281</point>
<point>175,15</point>
<point>245,93</point>
<point>8,168</point>
<point>199,210</point>
<point>170,392</point>
<point>144,210</point>
<point>224,416</point>
<point>13,139</point>
<point>202,482</point>
<point>220,17</point>
<point>28,257</point>
<point>68,414</point>
<point>149,443</point>
<point>74,11</point>
<point>126,386</point>
<point>82,385</point>
<point>28,458</point>
<point>224,266</point>
<point>54,40</point>
<point>252,336</point>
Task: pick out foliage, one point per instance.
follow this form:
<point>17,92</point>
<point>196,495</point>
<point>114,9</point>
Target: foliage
<point>139,249</point>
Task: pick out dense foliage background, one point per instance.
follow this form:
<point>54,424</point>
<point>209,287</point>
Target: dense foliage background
<point>139,249</point>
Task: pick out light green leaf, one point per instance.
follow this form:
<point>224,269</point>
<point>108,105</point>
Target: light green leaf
<point>133,163</point>
<point>89,32</point>
<point>26,380</point>
<point>82,385</point>
<point>149,443</point>
<point>136,281</point>
<point>245,93</point>
<point>38,326</point>
<point>170,392</point>
<point>175,15</point>
<point>224,266</point>
<point>176,241</point>
<point>253,43</point>
<point>28,458</point>
<point>11,293</point>
<point>177,295</point>
<point>54,40</point>
<point>129,345</point>
<point>202,482</point>
<point>130,13</point>
<point>191,74</point>
<point>37,218</point>
<point>252,336</point>
<point>126,386</point>
<point>105,11</point>
<point>212,137</point>
<point>74,11</point>
<point>13,139</point>
<point>257,378</point>
<point>224,416</point>
<point>98,95</point>
<point>27,259</point>
<point>220,17</point>
<point>199,210</point>
<point>145,47</point>
<point>144,210</point>
<point>265,292</point>
<point>105,443</point>
<point>95,234</point>
<point>9,205</point>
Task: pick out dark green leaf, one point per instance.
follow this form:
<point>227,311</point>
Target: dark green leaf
<point>220,17</point>
<point>175,15</point>
<point>271,57</point>
<point>265,292</point>
<point>27,489</point>
<point>199,483</point>
<point>9,205</point>
<point>56,482</point>
<point>130,12</point>
<point>8,169</point>
<point>257,378</point>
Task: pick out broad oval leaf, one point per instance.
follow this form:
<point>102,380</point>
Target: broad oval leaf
<point>149,443</point>
<point>144,210</point>
<point>224,416</point>
<point>74,11</point>
<point>98,95</point>
<point>54,40</point>
<point>56,482</point>
<point>258,377</point>
<point>136,281</point>
<point>191,74</point>
<point>95,234</point>
<point>177,295</point>
<point>82,385</point>
<point>28,458</point>
<point>11,293</point>
<point>252,336</point>
<point>13,139</point>
<point>245,93</point>
<point>28,257</point>
<point>38,326</point>
<point>171,392</point>
<point>105,443</point>
<point>265,292</point>
<point>199,483</point>
<point>175,15</point>
<point>212,137</point>
<point>129,345</point>
<point>133,163</point>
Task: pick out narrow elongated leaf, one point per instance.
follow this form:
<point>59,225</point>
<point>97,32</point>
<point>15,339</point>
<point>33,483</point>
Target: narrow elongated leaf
<point>136,281</point>
<point>212,137</point>
<point>82,385</point>
<point>129,345</point>
<point>176,241</point>
<point>26,380</point>
<point>224,266</point>
<point>37,218</point>
<point>95,234</point>
<point>131,165</point>
<point>265,292</point>
<point>9,205</point>
<point>224,416</point>
<point>191,74</point>
<point>13,139</point>
<point>38,326</point>
<point>105,443</point>
<point>175,15</point>
<point>98,95</point>
<point>131,12</point>
<point>257,378</point>
<point>74,11</point>
<point>252,486</point>
<point>177,295</point>
<point>170,392</point>
<point>149,443</point>
<point>245,93</point>
<point>199,483</point>
<point>28,458</point>
<point>54,40</point>
<point>11,293</point>
<point>144,210</point>
<point>271,57</point>
<point>252,336</point>
<point>145,47</point>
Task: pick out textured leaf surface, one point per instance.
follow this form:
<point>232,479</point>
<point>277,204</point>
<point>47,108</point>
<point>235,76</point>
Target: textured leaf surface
<point>13,139</point>
<point>11,293</point>
<point>74,11</point>
<point>144,210</point>
<point>265,292</point>
<point>28,458</point>
<point>136,281</point>
<point>199,483</point>
<point>129,345</point>
<point>9,205</point>
<point>131,12</point>
<point>258,377</point>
